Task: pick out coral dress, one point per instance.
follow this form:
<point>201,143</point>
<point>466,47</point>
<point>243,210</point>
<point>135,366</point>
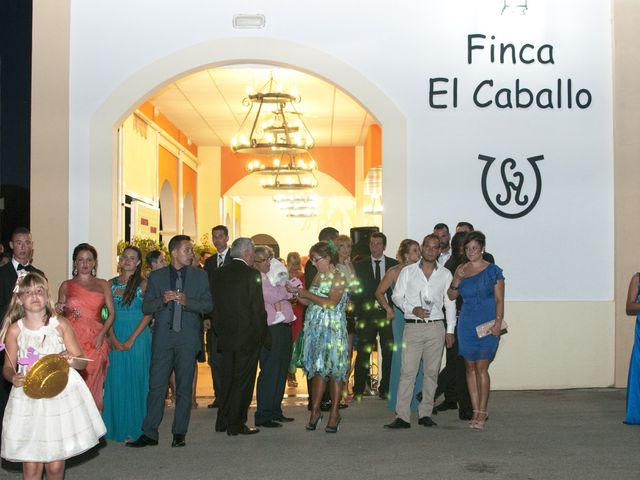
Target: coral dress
<point>49,429</point>
<point>127,384</point>
<point>325,336</point>
<point>86,326</point>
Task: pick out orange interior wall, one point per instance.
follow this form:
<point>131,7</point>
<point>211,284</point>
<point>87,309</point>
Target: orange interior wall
<point>337,162</point>
<point>372,149</point>
<point>163,122</point>
<point>189,180</point>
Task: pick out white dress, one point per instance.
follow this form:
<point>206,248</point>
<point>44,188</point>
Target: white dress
<point>49,429</point>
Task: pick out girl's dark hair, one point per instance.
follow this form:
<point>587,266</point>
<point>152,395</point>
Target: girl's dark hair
<point>134,280</point>
<point>85,247</point>
<point>476,235</point>
<point>326,249</point>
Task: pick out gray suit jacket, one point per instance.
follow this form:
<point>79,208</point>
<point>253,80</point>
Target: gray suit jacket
<point>196,289</point>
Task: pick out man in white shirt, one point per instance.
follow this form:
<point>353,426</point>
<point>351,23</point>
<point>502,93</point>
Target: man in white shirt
<point>441,230</point>
<point>421,293</point>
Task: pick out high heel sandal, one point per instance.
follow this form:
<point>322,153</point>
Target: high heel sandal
<point>311,426</point>
<point>472,422</point>
<point>479,423</point>
<point>333,429</point>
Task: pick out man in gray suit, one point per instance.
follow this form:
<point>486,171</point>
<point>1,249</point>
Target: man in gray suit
<point>176,296</point>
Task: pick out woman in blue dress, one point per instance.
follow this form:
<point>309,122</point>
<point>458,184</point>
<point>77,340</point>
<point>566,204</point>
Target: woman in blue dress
<point>127,382</point>
<point>325,350</point>
<point>408,252</point>
<point>481,285</point>
<point>632,416</point>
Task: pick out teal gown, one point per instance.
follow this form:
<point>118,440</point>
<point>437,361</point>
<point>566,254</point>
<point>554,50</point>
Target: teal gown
<point>325,348</point>
<point>127,383</point>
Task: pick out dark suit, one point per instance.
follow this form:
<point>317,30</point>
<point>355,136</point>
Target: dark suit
<point>214,357</point>
<point>371,320</point>
<point>240,321</point>
<point>173,350</point>
<point>8,277</point>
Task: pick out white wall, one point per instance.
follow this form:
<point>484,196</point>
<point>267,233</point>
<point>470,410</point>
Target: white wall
<point>560,252</point>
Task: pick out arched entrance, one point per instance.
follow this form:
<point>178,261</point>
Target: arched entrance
<point>103,141</point>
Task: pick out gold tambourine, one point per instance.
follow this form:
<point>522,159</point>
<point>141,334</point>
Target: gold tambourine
<point>47,377</point>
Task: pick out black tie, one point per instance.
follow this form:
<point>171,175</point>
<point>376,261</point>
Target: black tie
<point>177,308</point>
<point>377,272</point>
<point>28,268</point>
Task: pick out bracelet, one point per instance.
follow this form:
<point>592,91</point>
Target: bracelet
<point>455,289</point>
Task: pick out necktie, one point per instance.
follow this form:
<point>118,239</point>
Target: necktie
<point>220,260</point>
<point>28,268</point>
<point>377,272</point>
<point>177,308</point>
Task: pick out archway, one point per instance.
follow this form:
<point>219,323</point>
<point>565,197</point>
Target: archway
<point>220,52</point>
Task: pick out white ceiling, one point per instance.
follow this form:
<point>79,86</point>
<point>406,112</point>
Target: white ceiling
<point>207,106</point>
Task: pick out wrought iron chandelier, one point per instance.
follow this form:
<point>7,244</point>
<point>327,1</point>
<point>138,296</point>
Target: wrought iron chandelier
<point>287,172</point>
<point>277,125</point>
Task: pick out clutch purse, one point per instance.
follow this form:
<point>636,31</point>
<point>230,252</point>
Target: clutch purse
<point>484,329</point>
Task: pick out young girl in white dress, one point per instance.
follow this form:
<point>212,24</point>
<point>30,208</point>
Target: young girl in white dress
<point>43,433</point>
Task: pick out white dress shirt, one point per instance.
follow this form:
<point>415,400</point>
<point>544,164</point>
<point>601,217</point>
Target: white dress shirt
<point>443,257</point>
<point>222,255</point>
<point>412,286</point>
<point>382,266</point>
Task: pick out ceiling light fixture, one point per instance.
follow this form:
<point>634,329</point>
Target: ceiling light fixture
<point>514,6</point>
<point>277,125</point>
<point>244,20</point>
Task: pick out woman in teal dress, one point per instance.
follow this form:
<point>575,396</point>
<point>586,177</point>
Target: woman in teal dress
<point>408,253</point>
<point>632,416</point>
<point>127,382</point>
<point>325,348</point>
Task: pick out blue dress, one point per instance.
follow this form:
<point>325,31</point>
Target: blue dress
<point>397,324</point>
<point>127,383</point>
<point>479,307</point>
<point>325,349</point>
<point>633,383</point>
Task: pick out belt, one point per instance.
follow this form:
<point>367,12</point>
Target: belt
<point>419,320</point>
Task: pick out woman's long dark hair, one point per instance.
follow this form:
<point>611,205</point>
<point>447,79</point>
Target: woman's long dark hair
<point>134,280</point>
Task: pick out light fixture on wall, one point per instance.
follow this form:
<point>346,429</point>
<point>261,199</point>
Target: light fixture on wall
<point>286,172</point>
<point>272,124</point>
<point>373,190</point>
<point>514,6</point>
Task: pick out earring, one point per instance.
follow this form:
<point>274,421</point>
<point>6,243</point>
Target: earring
<point>93,271</point>
<point>74,272</point>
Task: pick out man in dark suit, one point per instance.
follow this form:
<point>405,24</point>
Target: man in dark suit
<point>220,238</point>
<point>176,296</point>
<point>240,321</point>
<point>22,247</point>
<point>371,317</point>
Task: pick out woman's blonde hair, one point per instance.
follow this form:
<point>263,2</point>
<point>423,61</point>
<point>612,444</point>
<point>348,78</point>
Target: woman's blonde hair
<point>15,311</point>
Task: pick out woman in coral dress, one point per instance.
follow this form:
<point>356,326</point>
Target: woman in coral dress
<point>81,300</point>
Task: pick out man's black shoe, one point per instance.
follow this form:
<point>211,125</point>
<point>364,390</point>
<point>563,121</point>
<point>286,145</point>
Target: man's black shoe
<point>244,430</point>
<point>142,441</point>
<point>178,440</point>
<point>465,414</point>
<point>427,422</point>
<point>269,424</point>
<point>398,423</point>
<point>447,405</point>
<point>283,419</point>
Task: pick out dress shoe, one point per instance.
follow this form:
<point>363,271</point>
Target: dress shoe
<point>333,428</point>
<point>213,404</point>
<point>178,440</point>
<point>465,414</point>
<point>426,422</point>
<point>283,419</point>
<point>311,426</point>
<point>269,424</point>
<point>447,405</point>
<point>244,430</point>
<point>398,423</point>
<point>142,441</point>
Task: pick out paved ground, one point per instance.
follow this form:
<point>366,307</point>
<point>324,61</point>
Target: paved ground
<point>560,434</point>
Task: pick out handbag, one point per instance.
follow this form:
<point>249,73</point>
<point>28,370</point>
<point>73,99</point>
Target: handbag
<point>484,329</point>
